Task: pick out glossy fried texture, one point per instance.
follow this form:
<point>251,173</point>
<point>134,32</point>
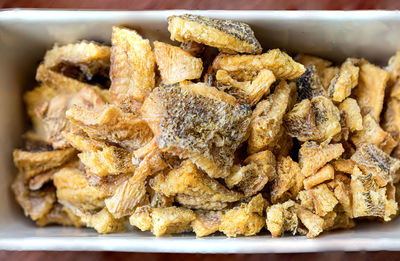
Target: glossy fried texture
<point>309,60</point>
<point>226,35</point>
<point>282,217</point>
<point>352,114</point>
<point>347,78</point>
<point>132,68</point>
<point>309,84</point>
<point>209,130</point>
<point>206,222</point>
<point>281,64</point>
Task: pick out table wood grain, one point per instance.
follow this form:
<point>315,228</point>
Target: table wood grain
<point>198,4</point>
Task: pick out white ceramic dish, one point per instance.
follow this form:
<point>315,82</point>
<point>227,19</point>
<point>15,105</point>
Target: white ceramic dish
<point>26,34</point>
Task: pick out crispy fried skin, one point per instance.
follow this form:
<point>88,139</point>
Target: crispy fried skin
<point>391,120</point>
<point>206,222</point>
<point>352,114</point>
<point>226,35</point>
<point>282,217</point>
<point>60,215</point>
<point>309,84</point>
<point>288,182</point>
<point>342,84</point>
<point>325,173</point>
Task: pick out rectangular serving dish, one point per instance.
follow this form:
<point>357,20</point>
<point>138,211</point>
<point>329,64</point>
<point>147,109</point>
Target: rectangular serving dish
<point>26,34</point>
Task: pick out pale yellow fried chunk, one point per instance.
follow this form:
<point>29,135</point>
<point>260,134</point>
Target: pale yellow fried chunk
<point>344,165</point>
<point>341,188</point>
<point>110,160</point>
<point>391,120</point>
<point>327,117</point>
<point>206,223</point>
<point>394,67</point>
<point>73,190</point>
<point>162,221</point>
<point>33,163</point>
<point>280,63</point>
<point>246,219</point>
<point>372,133</point>
<point>311,221</point>
<point>319,63</point>
<point>89,56</point>
<point>132,67</point>
<point>60,215</point>
<point>342,84</point>
<point>267,119</point>
<point>323,198</point>
<point>226,35</point>
<point>255,89</point>
<point>110,123</point>
<point>175,64</point>
<point>352,114</point>
<point>313,156</point>
<point>282,217</point>
<point>371,89</point>
<point>103,222</point>
<point>370,200</point>
<point>288,179</point>
<point>82,142</point>
<point>325,173</point>
<point>327,75</point>
<point>191,181</point>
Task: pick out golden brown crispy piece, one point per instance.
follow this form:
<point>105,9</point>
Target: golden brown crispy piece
<point>254,89</point>
<point>319,63</point>
<point>313,156</point>
<point>394,67</point>
<point>280,63</point>
<point>313,222</point>
<point>33,163</point>
<point>391,120</point>
<point>132,68</point>
<point>246,219</point>
<point>369,158</point>
<point>267,118</point>
<point>208,130</point>
<point>82,142</point>
<point>372,133</point>
<point>327,75</point>
<point>90,57</point>
<point>104,222</point>
<point>73,190</point>
<point>327,117</point>
<point>371,89</point>
<point>251,178</point>
<point>288,181</point>
<point>111,124</point>
<point>162,221</point>
<point>226,35</point>
<point>369,199</point>
<point>60,215</point>
<point>309,84</point>
<point>352,114</point>
<point>282,217</point>
<point>175,64</point>
<point>344,165</point>
<point>347,78</point>
<point>110,160</point>
<point>36,204</point>
<point>340,186</point>
<point>194,48</point>
<point>188,180</point>
<point>325,173</point>
<point>323,198</point>
<point>206,223</point>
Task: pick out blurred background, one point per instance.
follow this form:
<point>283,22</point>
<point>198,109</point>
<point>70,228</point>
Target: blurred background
<point>200,4</point>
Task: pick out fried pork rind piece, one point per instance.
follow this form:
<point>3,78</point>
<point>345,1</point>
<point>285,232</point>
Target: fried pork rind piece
<point>110,160</point>
<point>347,78</point>
<point>327,75</point>
<point>320,199</point>
<point>226,35</point>
<point>325,173</point>
<point>254,89</point>
<point>162,221</point>
<point>104,222</point>
<point>391,120</point>
<point>352,114</point>
<point>327,117</point>
<point>83,143</point>
<point>90,57</point>
<point>36,204</point>
<point>340,186</point>
<point>60,215</point>
<point>372,133</point>
<point>111,124</point>
<point>267,118</point>
<point>206,222</point>
<point>34,163</point>
<point>191,182</point>
<point>394,67</point>
<point>288,182</point>
<point>313,222</point>
<point>282,217</point>
<point>175,64</point>
<point>194,48</point>
<point>309,84</point>
<point>132,68</point>
<point>280,63</point>
<point>371,89</point>
<point>246,219</point>
<point>370,199</point>
<point>251,178</point>
<point>73,190</point>
<point>313,156</point>
<point>309,60</point>
<point>208,130</point>
<point>344,165</point>
<point>370,159</point>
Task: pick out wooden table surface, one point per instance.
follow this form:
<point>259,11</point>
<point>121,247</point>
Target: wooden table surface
<point>198,4</point>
